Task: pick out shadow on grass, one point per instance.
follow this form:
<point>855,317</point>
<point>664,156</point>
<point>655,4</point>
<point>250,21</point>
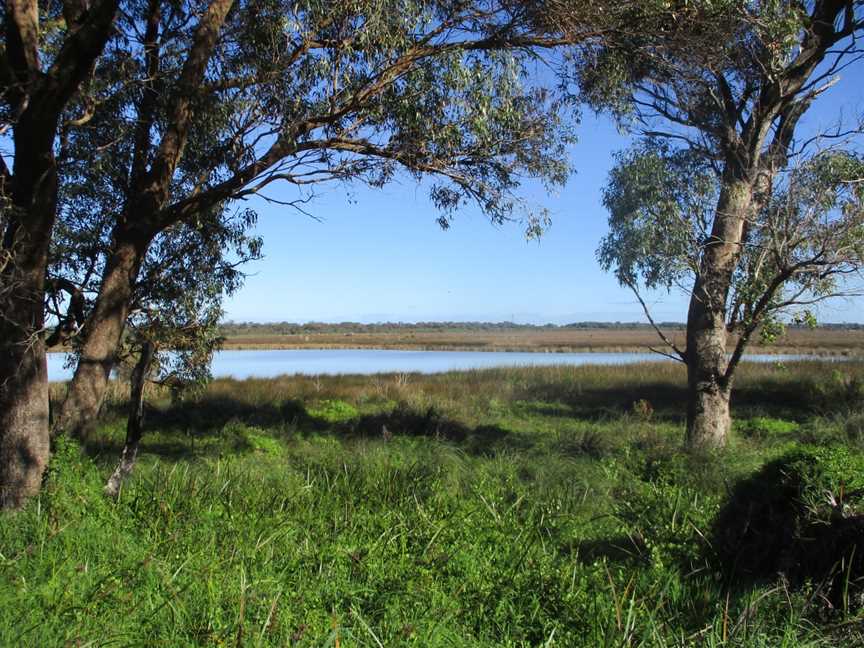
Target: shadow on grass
<point>478,440</point>
<point>198,427</point>
<point>621,550</point>
<point>668,401</point>
<point>209,415</point>
<point>595,405</point>
<point>212,426</point>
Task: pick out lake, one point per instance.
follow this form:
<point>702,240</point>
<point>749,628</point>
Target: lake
<point>269,363</point>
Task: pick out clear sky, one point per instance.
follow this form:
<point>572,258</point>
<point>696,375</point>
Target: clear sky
<point>377,254</point>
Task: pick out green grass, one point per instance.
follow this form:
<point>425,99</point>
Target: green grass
<point>517,507</point>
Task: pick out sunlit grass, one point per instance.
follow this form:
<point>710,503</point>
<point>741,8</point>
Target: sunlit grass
<point>512,507</point>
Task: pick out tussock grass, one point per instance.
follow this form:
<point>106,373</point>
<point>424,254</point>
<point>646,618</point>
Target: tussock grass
<point>508,507</point>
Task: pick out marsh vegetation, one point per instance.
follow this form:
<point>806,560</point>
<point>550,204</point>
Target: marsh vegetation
<point>454,336</point>
<point>515,507</point>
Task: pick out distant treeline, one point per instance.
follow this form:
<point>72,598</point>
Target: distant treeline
<point>229,329</point>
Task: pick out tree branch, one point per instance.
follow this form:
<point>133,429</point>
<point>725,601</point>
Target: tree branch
<point>680,355</point>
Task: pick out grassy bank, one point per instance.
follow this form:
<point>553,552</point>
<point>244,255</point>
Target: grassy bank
<point>517,507</point>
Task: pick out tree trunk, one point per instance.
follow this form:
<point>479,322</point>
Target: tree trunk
<point>135,424</point>
<point>708,415</point>
<point>708,384</point>
<point>37,95</point>
<point>102,335</point>
<point>24,438</point>
<point>24,427</point>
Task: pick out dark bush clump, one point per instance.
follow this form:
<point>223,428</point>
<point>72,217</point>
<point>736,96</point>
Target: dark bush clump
<point>801,516</point>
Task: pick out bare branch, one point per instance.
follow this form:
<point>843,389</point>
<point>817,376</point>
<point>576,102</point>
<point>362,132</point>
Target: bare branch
<point>680,355</point>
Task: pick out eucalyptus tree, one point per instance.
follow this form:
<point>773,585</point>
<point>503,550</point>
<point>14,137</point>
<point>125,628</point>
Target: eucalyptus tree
<point>47,55</point>
<point>805,244</point>
<point>172,327</point>
<point>235,97</point>
<point>721,116</point>
<point>300,92</point>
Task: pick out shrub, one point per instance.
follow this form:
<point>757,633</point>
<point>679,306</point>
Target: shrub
<point>762,427</point>
<point>643,410</point>
<point>801,515</point>
<point>334,411</point>
<point>241,437</point>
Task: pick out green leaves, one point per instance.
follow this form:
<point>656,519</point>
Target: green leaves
<point>659,201</point>
<point>188,271</point>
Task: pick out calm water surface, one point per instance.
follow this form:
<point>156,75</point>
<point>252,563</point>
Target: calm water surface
<point>266,364</point>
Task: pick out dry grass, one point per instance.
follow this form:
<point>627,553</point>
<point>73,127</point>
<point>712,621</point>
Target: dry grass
<point>823,341</point>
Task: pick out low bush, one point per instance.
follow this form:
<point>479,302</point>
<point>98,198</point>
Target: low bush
<point>333,411</point>
<point>802,516</point>
<point>762,428</point>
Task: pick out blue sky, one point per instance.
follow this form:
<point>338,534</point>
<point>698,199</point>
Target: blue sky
<point>377,254</point>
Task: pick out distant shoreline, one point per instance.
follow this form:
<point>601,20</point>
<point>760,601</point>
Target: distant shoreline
<point>820,341</point>
<point>766,350</point>
<point>827,342</point>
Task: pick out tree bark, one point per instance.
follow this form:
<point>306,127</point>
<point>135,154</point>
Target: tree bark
<point>24,439</point>
<point>708,384</point>
<point>24,427</point>
<point>708,414</point>
<point>102,335</point>
<point>135,423</point>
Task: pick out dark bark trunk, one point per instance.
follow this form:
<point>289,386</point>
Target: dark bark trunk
<point>37,98</point>
<point>135,423</point>
<point>102,335</point>
<point>708,383</point>
<point>24,427</point>
<point>24,439</point>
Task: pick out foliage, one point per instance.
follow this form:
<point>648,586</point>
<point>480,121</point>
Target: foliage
<point>321,92</point>
<point>177,299</point>
<point>178,302</point>
<point>660,201</point>
<point>808,240</point>
<point>810,234</point>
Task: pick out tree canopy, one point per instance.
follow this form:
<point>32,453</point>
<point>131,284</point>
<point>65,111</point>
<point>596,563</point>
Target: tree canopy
<point>220,107</point>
